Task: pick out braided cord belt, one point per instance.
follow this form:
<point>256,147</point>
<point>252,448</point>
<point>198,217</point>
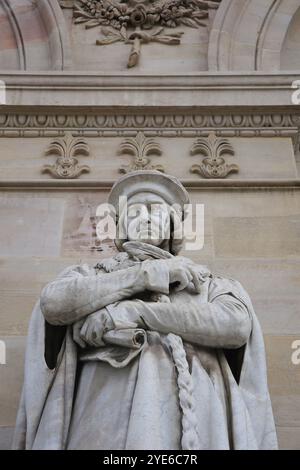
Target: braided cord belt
<point>189,440</point>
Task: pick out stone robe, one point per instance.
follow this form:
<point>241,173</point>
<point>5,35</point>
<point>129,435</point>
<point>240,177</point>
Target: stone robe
<point>198,382</point>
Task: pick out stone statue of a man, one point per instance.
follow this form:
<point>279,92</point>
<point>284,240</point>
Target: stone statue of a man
<point>146,350</point>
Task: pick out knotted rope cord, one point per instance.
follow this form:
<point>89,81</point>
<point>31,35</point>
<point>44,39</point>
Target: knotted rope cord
<point>189,440</point>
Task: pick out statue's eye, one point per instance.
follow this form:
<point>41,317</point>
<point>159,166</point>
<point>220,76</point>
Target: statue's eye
<point>156,209</point>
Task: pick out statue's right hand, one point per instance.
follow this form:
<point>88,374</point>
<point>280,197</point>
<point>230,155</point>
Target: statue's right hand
<point>182,275</point>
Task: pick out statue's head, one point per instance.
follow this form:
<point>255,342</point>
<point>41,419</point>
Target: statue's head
<point>150,208</point>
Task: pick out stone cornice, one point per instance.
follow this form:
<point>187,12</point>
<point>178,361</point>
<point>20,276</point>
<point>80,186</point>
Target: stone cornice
<point>68,89</point>
<point>82,184</point>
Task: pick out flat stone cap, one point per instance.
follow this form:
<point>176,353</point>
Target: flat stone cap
<point>150,181</point>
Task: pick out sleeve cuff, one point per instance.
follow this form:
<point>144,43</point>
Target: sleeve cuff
<point>121,316</point>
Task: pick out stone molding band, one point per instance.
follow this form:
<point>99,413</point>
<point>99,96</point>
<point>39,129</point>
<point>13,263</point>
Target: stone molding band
<point>187,183</point>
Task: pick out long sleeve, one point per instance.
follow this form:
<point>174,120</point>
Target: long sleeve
<point>78,293</point>
<point>222,323</point>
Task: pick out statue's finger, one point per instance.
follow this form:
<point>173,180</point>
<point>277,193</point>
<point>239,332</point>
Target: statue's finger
<point>83,330</point>
<point>86,332</point>
<point>76,337</point>
<point>196,280</point>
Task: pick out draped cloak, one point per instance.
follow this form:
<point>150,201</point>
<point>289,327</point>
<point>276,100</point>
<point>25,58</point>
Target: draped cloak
<point>94,404</point>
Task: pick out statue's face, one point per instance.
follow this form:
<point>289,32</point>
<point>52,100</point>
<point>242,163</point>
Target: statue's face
<point>148,219</point>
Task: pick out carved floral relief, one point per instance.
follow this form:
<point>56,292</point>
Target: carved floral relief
<point>137,22</point>
<point>140,148</point>
<point>67,165</point>
<point>214,151</point>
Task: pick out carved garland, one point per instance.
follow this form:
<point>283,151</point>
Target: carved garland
<point>137,22</point>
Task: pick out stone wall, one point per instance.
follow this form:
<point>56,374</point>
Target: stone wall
<point>231,79</point>
<point>250,235</point>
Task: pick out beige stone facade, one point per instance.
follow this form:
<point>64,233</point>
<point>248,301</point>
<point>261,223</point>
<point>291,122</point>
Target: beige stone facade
<point>231,79</point>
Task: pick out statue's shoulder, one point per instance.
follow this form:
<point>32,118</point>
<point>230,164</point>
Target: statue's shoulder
<point>220,285</point>
<point>218,281</point>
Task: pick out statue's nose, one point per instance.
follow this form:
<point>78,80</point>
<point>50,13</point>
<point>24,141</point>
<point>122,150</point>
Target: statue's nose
<point>145,217</point>
<point>146,221</point>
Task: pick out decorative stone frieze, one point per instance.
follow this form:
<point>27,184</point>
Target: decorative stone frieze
<point>153,125</point>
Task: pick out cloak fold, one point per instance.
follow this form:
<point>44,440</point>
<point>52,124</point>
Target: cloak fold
<point>54,338</point>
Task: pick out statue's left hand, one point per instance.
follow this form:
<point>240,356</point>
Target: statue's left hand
<point>90,331</point>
